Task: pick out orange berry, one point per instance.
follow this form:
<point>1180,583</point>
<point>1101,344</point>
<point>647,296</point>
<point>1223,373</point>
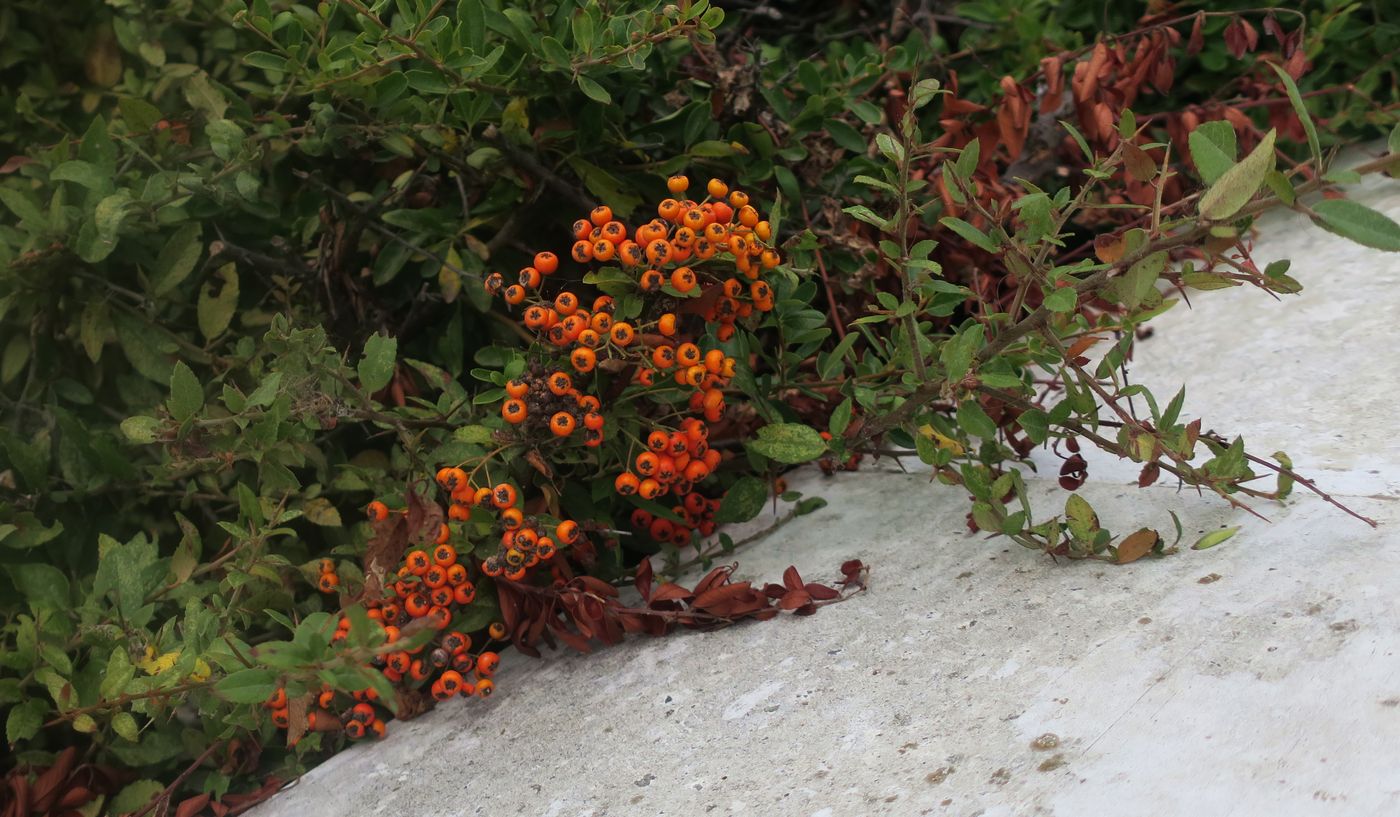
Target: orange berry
<point>530,278</point>
<point>626,483</point>
<point>514,411</point>
<point>659,251</point>
<point>649,489</point>
<point>560,383</point>
<point>683,279</point>
<point>663,357</point>
<point>503,496</point>
<point>717,189</point>
<point>621,333</point>
<point>512,518</point>
<point>328,582</point>
<point>601,215</point>
<point>582,251</point>
<point>562,423</point>
<point>677,183</point>
<point>418,562</point>
<point>583,359</point>
<point>546,262</point>
<point>486,664</point>
<point>514,294</point>
<point>593,421</point>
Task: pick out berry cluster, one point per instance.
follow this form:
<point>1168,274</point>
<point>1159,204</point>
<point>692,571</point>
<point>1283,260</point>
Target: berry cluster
<point>329,580</point>
<point>550,400</point>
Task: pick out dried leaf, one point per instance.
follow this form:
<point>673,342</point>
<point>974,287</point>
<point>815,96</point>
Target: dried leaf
<point>1137,545</point>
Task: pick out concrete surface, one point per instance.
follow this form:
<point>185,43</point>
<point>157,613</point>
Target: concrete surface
<point>1261,677</point>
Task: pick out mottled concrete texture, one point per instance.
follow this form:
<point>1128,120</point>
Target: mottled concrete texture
<point>1258,678</point>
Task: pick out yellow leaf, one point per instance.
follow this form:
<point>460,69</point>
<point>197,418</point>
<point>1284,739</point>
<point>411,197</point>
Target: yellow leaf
<point>201,671</point>
<point>155,666</point>
<point>941,441</point>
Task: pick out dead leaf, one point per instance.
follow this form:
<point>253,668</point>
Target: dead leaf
<point>1137,545</point>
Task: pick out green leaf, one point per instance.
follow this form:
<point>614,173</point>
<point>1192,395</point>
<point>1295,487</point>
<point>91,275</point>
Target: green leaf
<point>135,796</point>
<point>1213,149</point>
<point>186,393</point>
<point>1296,100</point>
<point>30,458</point>
<point>118,674</point>
<point>82,173</point>
<point>225,138</point>
<point>840,418</point>
<point>25,719</point>
<point>84,723</point>
<point>743,501</point>
<point>427,82</point>
<point>478,435</point>
<point>320,511</point>
<point>1237,186</point>
<point>789,443</point>
<point>204,96</point>
<point>1036,424</point>
<point>265,60</point>
<point>177,259</point>
<point>959,350</point>
<point>248,686</point>
<point>1214,538</point>
<point>125,726</point>
<point>594,91</point>
<point>44,586</point>
<point>376,368</point>
<point>140,115</point>
<point>1140,278</point>
<point>1358,223</point>
<point>969,232</point>
<point>975,421</point>
<point>141,430</point>
<point>1063,299</point>
<point>218,300</point>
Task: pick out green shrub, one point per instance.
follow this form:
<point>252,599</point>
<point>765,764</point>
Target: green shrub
<point>241,293</point>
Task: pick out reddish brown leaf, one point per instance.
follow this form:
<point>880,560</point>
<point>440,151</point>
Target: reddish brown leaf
<point>48,786</point>
<point>1054,72</point>
<point>642,580</point>
<point>821,592</point>
<point>1149,475</point>
<point>1108,247</point>
<point>670,591</point>
<point>1140,166</point>
<point>1137,545</point>
<point>192,805</point>
<point>1085,341</point>
<point>791,578</point>
<point>794,599</point>
<point>1240,37</point>
<point>722,593</point>
<point>1073,472</point>
<point>1197,40</point>
<point>14,163</point>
